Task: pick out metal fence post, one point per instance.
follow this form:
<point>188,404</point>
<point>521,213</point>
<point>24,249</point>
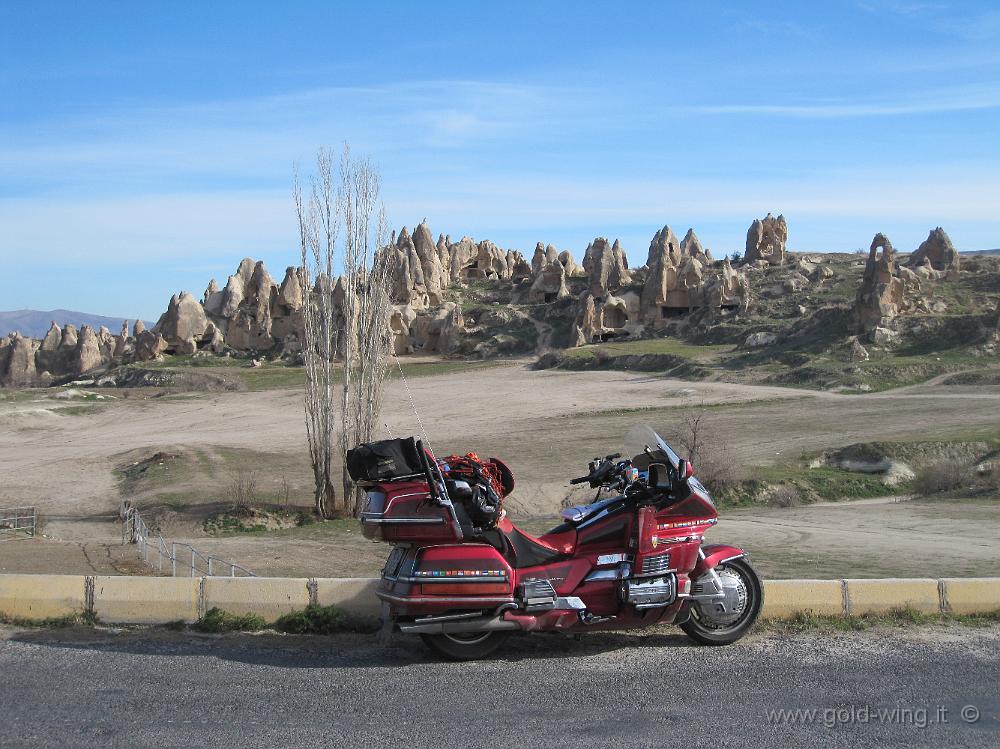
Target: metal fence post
<point>34,520</point>
<point>173,560</point>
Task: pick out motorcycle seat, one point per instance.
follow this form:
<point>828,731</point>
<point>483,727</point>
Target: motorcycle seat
<point>524,550</point>
<point>579,513</point>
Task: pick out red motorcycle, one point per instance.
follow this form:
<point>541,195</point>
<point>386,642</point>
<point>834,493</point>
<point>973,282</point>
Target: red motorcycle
<point>464,577</point>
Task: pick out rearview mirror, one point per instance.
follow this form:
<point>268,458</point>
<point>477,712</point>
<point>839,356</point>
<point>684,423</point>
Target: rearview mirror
<point>683,469</point>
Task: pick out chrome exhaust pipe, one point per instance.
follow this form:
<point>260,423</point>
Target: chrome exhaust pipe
<point>483,624</point>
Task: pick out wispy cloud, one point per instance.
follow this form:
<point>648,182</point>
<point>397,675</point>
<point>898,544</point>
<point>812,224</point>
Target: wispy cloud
<point>958,99</point>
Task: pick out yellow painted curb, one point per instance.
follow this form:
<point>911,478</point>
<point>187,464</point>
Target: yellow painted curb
<point>267,597</point>
<point>785,598</point>
<point>354,595</point>
<point>879,596</point>
<point>42,596</point>
<point>972,595</point>
<point>146,600</point>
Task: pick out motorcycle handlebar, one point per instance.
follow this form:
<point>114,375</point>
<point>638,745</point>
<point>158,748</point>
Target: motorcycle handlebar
<point>596,476</point>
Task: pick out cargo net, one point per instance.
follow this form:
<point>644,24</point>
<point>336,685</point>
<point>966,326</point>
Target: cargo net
<point>487,474</point>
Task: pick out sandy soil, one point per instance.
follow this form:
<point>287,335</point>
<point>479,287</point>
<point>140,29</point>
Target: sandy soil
<point>546,424</point>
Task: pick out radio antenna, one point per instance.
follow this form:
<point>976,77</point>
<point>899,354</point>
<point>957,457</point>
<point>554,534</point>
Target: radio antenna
<point>406,385</point>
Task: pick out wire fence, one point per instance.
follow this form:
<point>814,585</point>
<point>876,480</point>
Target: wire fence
<point>174,557</point>
<point>17,522</point>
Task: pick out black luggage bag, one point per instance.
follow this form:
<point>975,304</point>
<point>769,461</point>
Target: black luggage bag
<point>386,460</point>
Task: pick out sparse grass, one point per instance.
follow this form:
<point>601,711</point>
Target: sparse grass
<point>56,622</point>
<point>217,620</point>
<point>176,501</point>
<point>427,369</point>
<point>282,376</point>
<point>322,530</point>
<point>259,521</point>
<point>324,620</point>
<point>78,410</point>
<point>660,346</point>
<point>808,484</point>
<point>151,471</point>
<point>904,617</point>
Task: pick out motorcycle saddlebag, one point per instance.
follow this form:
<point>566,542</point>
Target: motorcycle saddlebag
<point>387,460</point>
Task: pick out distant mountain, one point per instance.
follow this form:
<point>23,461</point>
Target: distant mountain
<point>982,252</point>
<point>34,323</point>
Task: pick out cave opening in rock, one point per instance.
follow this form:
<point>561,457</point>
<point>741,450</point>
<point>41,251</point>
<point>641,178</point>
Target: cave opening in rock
<point>615,317</point>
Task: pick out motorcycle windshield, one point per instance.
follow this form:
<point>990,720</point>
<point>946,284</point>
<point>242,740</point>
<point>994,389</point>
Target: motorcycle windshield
<point>641,440</point>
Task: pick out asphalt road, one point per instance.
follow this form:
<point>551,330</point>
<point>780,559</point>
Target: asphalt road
<point>152,688</point>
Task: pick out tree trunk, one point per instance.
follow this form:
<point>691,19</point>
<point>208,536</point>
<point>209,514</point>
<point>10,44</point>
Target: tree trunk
<point>326,500</point>
<point>348,488</point>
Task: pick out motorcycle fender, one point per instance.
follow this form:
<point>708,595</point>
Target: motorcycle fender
<point>715,554</point>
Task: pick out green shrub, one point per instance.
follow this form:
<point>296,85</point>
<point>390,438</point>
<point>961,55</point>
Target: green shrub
<point>217,620</point>
<point>323,620</point>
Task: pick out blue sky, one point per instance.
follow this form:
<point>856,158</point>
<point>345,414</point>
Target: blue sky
<point>145,148</point>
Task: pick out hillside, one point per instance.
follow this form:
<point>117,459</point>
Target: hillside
<point>33,323</point>
<point>860,322</point>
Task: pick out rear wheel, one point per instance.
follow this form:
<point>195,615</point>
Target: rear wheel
<point>465,646</point>
<point>723,624</point>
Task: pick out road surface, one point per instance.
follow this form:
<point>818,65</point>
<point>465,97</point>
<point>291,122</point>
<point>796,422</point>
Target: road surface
<point>889,687</point>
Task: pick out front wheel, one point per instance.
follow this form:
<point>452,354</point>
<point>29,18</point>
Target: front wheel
<point>465,646</point>
<point>724,622</point>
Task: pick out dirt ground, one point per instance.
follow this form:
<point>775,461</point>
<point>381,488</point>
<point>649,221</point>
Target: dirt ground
<point>62,456</point>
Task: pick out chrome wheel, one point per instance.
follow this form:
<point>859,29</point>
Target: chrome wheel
<point>724,620</point>
<point>467,638</point>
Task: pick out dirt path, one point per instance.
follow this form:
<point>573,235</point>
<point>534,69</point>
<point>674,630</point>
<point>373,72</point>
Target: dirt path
<point>546,424</point>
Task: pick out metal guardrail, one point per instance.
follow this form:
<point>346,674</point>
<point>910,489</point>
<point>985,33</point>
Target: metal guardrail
<point>16,521</point>
<point>195,563</point>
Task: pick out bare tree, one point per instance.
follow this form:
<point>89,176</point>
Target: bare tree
<point>709,450</point>
<point>693,436</point>
<point>366,308</point>
<point>342,224</point>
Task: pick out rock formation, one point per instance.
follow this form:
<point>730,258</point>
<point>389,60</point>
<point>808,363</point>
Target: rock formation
<point>549,283</point>
<point>253,314</point>
<point>936,256</point>
<point>603,318</point>
<point>518,267</point>
<point>673,280</point>
<point>691,247</point>
<point>572,269</point>
<point>766,240</point>
<point>88,354</point>
<point>62,352</point>
<point>677,279</point>
<point>17,361</point>
<point>184,323</point>
<point>607,267</point>
<point>884,292</point>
